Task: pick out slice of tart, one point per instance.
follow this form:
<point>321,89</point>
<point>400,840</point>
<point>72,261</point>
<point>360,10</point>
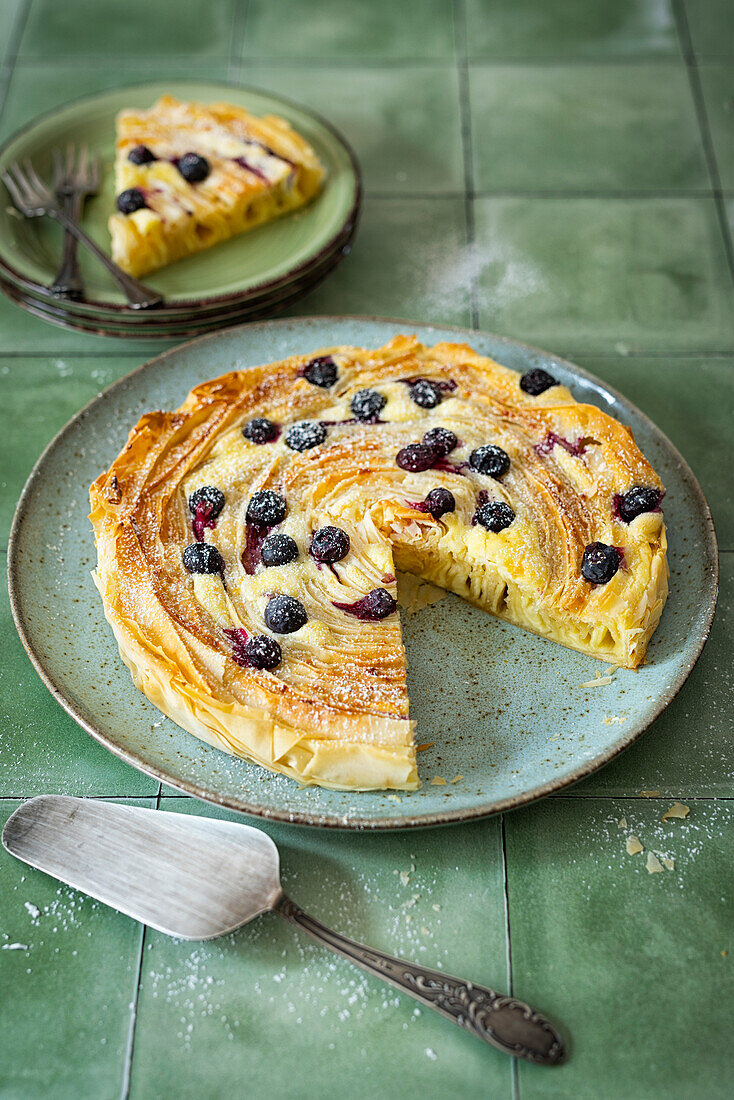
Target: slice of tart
<point>248,543</point>
<point>188,176</point>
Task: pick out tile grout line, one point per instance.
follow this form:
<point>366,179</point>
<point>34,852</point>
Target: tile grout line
<point>598,353</point>
<point>369,62</point>
<point>130,1049</point>
<point>239,24</point>
<point>462,72</point>
<point>699,102</point>
<point>508,953</point>
<point>601,194</point>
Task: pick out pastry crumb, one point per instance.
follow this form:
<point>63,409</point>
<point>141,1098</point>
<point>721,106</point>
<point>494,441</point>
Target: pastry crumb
<point>649,794</point>
<point>633,846</point>
<point>677,810</point>
<point>438,781</point>
<point>668,863</point>
<point>436,908</point>
<point>394,798</point>
<point>622,823</point>
<point>599,681</point>
<point>404,878</point>
<point>422,748</point>
<point>724,954</point>
<point>653,863</point>
<point>457,778</point>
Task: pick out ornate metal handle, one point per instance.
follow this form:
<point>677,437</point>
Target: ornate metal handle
<point>508,1024</point>
<point>68,282</point>
<point>137,294</point>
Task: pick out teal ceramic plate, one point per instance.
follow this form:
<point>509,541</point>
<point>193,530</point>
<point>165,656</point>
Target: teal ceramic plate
<point>250,263</point>
<point>506,711</point>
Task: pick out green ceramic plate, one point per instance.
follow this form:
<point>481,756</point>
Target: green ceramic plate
<point>273,253</point>
<point>146,326</point>
<point>505,710</point>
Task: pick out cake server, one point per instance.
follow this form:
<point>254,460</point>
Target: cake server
<point>197,877</point>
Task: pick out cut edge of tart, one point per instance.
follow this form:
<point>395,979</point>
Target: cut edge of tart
<point>189,175</point>
<point>500,488</point>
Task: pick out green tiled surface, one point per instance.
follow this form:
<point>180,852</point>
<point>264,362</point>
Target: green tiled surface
<point>138,28</point>
<point>718,90</point>
<point>403,123</point>
<point>547,169</point>
<point>711,24</point>
<point>72,966</point>
<point>581,127</point>
<point>596,273</point>
<point>550,29</point>
<point>40,86</point>
<point>361,29</point>
<point>411,253</point>
<point>256,996</point>
<point>639,964</point>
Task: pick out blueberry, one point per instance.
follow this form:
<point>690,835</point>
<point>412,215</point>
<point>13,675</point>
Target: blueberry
<point>260,651</point>
<point>638,500</point>
<point>193,168</point>
<point>278,549</point>
<point>131,200</point>
<point>261,430</point>
<point>330,544</point>
<point>599,563</point>
<point>495,515</point>
<point>490,460</point>
<point>207,500</point>
<point>441,440</point>
<point>141,154</point>
<point>439,502</point>
<point>367,405</point>
<point>416,457</point>
<point>283,615</point>
<point>266,508</point>
<point>377,604</point>
<point>537,381</point>
<point>305,434</point>
<point>202,557</point>
<point>321,372</point>
<point>425,393</point>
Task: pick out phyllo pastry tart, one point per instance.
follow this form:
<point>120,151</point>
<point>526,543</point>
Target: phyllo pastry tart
<point>188,176</point>
<point>248,543</point>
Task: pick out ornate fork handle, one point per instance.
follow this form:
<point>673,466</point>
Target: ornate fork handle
<point>508,1024</point>
<point>138,295</point>
<point>68,282</point>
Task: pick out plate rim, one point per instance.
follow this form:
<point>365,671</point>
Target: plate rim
<point>330,819</point>
<point>260,308</point>
<point>350,222</point>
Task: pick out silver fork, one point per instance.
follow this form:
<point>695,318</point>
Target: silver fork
<point>75,179</point>
<point>35,199</point>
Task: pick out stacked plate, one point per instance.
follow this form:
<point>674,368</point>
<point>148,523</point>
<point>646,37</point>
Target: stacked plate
<point>248,277</point>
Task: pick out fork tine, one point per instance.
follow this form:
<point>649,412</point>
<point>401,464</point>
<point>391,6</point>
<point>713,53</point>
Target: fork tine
<point>70,160</point>
<point>14,190</point>
<point>26,191</point>
<point>36,182</point>
<point>83,168</point>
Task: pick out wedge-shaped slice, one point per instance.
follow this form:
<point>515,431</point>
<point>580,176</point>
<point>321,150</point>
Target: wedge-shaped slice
<point>188,176</point>
<point>248,542</point>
